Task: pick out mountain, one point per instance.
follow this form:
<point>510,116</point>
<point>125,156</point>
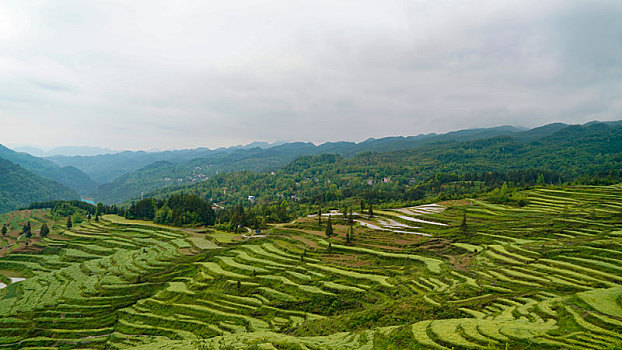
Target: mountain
<point>20,187</point>
<point>160,175</point>
<point>107,167</point>
<point>127,174</point>
<point>68,151</point>
<point>459,167</point>
<point>33,151</point>
<point>69,176</point>
<point>135,173</point>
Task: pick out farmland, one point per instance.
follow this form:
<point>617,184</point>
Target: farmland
<point>464,274</point>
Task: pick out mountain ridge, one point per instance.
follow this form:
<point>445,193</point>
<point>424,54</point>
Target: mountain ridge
<point>69,176</point>
<point>20,187</point>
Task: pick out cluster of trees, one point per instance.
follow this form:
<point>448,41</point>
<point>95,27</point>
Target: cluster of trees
<point>254,215</point>
<point>178,210</point>
<point>507,195</point>
<point>87,208</point>
<point>330,232</point>
<point>27,230</point>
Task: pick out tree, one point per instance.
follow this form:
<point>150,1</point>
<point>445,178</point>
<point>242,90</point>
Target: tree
<point>350,218</point>
<point>329,228</point>
<point>348,236</point>
<point>319,215</point>
<point>97,216</point>
<point>351,233</point>
<point>88,216</point>
<point>69,223</point>
<point>27,230</point>
<point>44,230</point>
<point>4,230</point>
<point>362,205</point>
<point>463,224</point>
<point>371,211</point>
<point>345,214</point>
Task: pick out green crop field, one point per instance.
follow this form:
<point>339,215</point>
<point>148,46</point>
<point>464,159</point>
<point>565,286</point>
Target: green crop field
<point>543,276</point>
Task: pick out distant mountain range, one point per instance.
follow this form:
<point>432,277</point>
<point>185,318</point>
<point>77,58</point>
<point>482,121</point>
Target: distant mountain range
<point>590,153</point>
<point>108,167</point>
<point>117,177</point>
<point>126,175</point>
<point>68,151</point>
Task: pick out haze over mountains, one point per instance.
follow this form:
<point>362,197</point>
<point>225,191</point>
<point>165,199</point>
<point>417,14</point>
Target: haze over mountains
<point>64,151</point>
<point>118,177</point>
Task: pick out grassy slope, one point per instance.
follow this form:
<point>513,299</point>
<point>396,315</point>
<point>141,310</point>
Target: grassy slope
<point>543,276</point>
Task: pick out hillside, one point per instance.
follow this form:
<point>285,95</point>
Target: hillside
<point>69,176</point>
<point>164,174</point>
<point>136,172</point>
<point>19,187</point>
<point>458,274</point>
<point>456,167</point>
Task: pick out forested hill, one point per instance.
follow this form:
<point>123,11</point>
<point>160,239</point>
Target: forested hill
<point>255,156</point>
<point>457,167</point>
<point>170,173</point>
<point>69,176</point>
<point>20,187</point>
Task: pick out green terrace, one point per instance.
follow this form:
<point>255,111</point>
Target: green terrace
<point>464,274</point>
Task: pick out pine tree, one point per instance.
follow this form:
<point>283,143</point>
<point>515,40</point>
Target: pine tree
<point>69,223</point>
<point>4,230</point>
<point>26,230</point>
<point>44,230</point>
<point>371,211</point>
<point>350,218</point>
<point>351,232</point>
<point>329,228</point>
<point>319,215</point>
<point>463,224</point>
<point>362,205</point>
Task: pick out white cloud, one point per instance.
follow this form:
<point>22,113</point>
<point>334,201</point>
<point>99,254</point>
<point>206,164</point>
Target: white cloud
<point>170,74</point>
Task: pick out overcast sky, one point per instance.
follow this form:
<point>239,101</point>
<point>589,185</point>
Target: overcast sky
<point>177,74</point>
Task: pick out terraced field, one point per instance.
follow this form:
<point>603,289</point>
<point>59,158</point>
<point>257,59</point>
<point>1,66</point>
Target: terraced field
<point>545,276</point>
<point>14,240</point>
